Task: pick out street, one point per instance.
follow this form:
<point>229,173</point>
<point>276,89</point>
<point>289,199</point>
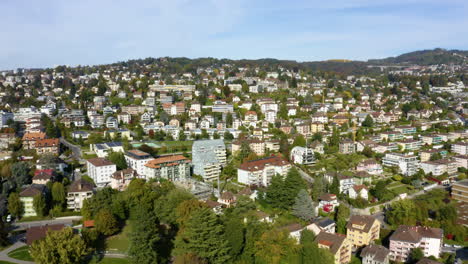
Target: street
<point>62,220</point>
<point>76,150</point>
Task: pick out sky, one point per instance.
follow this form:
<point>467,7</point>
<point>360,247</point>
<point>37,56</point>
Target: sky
<point>48,33</point>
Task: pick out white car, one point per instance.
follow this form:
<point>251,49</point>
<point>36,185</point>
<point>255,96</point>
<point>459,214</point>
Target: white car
<point>8,219</point>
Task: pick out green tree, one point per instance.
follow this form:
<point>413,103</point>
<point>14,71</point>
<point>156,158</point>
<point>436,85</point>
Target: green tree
<point>342,215</point>
<point>118,159</point>
<point>292,185</point>
<point>402,212</point>
<point>303,206</point>
<point>106,222</point>
<point>59,247</point>
<point>335,186</point>
<point>416,254</point>
<point>300,141</point>
<point>144,237</point>
<point>3,234</point>
<point>15,206</point>
<point>204,237</point>
<point>234,232</point>
<point>39,204</point>
<point>58,193</point>
<point>275,246</point>
<point>310,252</point>
<point>368,121</point>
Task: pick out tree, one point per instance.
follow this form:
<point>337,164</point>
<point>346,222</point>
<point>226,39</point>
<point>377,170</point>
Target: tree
<point>310,252</point>
<point>106,222</point>
<point>416,254</point>
<point>368,121</point>
<point>3,234</point>
<point>144,238</point>
<point>275,246</point>
<point>342,215</point>
<point>39,204</point>
<point>234,232</point>
<point>303,207</point>
<point>185,210</point>
<point>402,212</point>
<point>335,186</point>
<point>15,206</point>
<point>20,172</point>
<point>292,185</point>
<point>244,151</point>
<point>59,247</point>
<point>317,188</point>
<point>118,159</point>
<point>299,141</point>
<point>58,193</point>
<point>203,237</point>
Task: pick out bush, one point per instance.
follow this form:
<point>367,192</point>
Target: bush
<point>397,177</point>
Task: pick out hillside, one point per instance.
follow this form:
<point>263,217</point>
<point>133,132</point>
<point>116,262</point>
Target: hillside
<point>427,57</point>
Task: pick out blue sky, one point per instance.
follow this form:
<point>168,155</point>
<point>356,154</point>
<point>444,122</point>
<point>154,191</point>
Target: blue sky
<point>54,32</point>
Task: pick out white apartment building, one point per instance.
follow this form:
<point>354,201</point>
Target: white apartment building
<point>100,170</point>
<point>79,191</point>
<point>460,148</point>
<point>136,159</point>
<point>439,167</point>
<point>270,116</point>
<point>301,155</point>
<point>208,157</point>
<point>405,238</point>
<point>408,164</point>
<point>259,172</point>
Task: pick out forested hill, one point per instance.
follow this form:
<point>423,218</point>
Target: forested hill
<point>427,57</point>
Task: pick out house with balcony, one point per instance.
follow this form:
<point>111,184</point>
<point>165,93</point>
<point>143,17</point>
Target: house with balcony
<point>172,168</point>
<point>407,164</point>
<point>259,172</point>
<point>406,238</point>
<point>375,254</point>
<point>362,230</point>
<point>338,245</point>
<point>78,191</point>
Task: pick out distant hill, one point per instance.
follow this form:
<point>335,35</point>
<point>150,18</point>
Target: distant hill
<point>427,57</point>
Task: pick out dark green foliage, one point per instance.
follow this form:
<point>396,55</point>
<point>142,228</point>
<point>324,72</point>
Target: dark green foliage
<point>118,159</point>
<point>144,238</point>
<point>282,193</point>
<point>106,222</point>
<point>310,252</point>
<point>40,205</point>
<point>234,232</point>
<point>204,237</point>
<point>303,207</point>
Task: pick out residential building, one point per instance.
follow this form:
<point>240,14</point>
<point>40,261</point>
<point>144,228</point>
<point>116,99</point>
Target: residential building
<point>27,198</point>
<point>406,238</point>
<point>460,148</point>
<point>100,170</point>
<point>208,157</point>
<point>121,179</point>
<point>322,225</point>
<point>301,155</point>
<point>370,166</point>
<point>362,230</point>
<point>256,145</point>
<point>462,161</point>
<point>29,139</point>
<point>460,191</point>
<point>408,164</point>
<point>375,254</point>
<point>78,191</point>
<point>259,172</point>
<point>359,191</point>
<point>137,159</point>
<point>173,168</point>
<point>48,145</point>
<point>327,202</point>
<point>43,176</point>
<point>103,149</point>
<point>406,130</point>
<point>409,144</point>
<point>439,167</point>
<point>426,155</point>
<point>337,244</point>
<point>347,146</point>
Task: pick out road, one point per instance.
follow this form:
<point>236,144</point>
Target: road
<point>304,175</point>
<point>16,244</point>
<point>76,150</point>
<point>62,220</point>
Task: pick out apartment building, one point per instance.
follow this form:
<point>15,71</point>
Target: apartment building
<point>301,155</point>
<point>439,167</point>
<point>137,159</point>
<point>173,168</point>
<point>460,148</point>
<point>409,144</point>
<point>29,139</point>
<point>256,145</point>
<point>337,244</point>
<point>406,238</point>
<point>460,191</point>
<point>100,170</point>
<point>49,145</point>
<point>79,191</point>
<point>362,230</point>
<point>259,172</point>
<point>208,157</point>
<point>27,198</point>
<point>408,164</point>
<point>347,146</point>
<point>406,130</point>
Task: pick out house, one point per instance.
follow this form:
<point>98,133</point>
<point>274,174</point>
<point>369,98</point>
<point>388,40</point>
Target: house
<point>112,123</point>
<point>322,225</point>
<point>124,118</point>
<point>43,176</point>
<point>121,179</point>
<point>100,170</point>
<point>208,157</point>
<point>370,166</point>
<point>51,162</point>
<point>317,146</point>
<point>78,191</point>
<point>406,238</point>
<point>173,168</point>
<point>39,232</point>
<point>137,159</point>
<point>362,230</point>
<point>227,198</point>
<point>6,139</point>
<point>345,182</point>
<point>215,206</point>
<point>337,244</point>
<point>362,177</point>
<point>256,145</point>
<point>259,172</point>
<point>47,145</point>
<point>145,117</point>
<point>328,202</point>
<point>359,191</point>
<point>375,254</point>
<point>29,139</point>
<point>301,155</point>
<point>347,146</point>
<point>103,149</point>
<point>407,164</point>
<point>462,161</point>
<point>27,198</point>
<point>294,231</point>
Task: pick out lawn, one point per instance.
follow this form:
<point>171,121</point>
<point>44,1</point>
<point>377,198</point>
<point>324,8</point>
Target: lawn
<point>21,253</point>
<point>114,261</point>
<point>119,242</point>
<point>6,262</point>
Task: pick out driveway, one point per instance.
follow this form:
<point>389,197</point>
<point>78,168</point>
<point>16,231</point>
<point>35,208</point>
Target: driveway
<point>16,244</point>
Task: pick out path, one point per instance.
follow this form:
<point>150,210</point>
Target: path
<point>16,244</point>
<point>76,150</point>
<point>62,220</point>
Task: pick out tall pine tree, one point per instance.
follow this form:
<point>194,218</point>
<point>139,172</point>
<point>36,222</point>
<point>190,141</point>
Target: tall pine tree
<point>303,207</point>
<point>144,237</point>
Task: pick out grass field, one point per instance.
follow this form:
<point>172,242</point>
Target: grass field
<point>119,242</point>
<point>6,262</point>
<point>21,253</point>
<point>113,261</point>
